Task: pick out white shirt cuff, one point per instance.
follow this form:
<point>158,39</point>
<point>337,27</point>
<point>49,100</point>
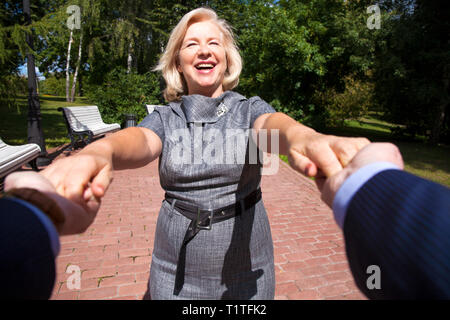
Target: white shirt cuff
<point>352,184</point>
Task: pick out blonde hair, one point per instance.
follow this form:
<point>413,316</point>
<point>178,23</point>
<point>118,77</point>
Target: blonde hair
<point>176,85</point>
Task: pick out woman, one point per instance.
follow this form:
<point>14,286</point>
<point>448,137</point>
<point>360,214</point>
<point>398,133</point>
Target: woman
<point>212,239</point>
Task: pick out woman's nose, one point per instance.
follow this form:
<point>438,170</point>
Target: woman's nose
<point>204,50</point>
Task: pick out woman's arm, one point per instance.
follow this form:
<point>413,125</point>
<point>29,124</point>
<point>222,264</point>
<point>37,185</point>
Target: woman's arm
<point>129,148</point>
<point>308,151</point>
<point>92,168</point>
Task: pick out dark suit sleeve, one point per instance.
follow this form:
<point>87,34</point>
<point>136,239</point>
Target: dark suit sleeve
<point>400,223</point>
<point>27,262</point>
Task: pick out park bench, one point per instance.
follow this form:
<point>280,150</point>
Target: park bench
<point>85,121</point>
<point>13,157</point>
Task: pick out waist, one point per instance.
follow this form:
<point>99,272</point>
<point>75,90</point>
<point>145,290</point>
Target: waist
<point>205,217</point>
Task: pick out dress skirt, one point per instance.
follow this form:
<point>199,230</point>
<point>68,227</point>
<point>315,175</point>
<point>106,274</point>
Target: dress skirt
<point>233,260</point>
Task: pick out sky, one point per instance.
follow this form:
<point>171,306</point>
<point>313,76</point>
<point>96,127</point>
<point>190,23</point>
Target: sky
<point>23,72</point>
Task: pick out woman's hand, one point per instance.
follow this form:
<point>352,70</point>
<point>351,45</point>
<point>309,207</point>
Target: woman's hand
<point>77,217</point>
<point>374,152</point>
<point>90,172</point>
<point>315,154</point>
<point>82,176</point>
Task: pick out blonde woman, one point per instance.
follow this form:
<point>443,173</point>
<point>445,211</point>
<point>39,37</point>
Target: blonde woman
<point>213,238</point>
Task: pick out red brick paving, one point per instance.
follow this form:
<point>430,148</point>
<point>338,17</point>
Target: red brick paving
<point>114,254</point>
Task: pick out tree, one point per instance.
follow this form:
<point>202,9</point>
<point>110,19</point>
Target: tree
<point>413,67</point>
<point>295,50</point>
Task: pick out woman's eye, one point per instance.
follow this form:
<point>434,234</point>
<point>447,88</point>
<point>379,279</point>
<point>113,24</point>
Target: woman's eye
<point>191,44</point>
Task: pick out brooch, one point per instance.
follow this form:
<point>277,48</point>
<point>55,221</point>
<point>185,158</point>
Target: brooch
<point>221,109</point>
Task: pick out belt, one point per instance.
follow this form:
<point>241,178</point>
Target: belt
<point>203,219</point>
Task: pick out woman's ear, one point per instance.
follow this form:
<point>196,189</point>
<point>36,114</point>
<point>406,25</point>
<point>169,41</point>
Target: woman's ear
<point>177,62</point>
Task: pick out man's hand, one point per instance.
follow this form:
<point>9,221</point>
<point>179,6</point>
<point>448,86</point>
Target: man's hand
<point>374,152</point>
<point>78,216</point>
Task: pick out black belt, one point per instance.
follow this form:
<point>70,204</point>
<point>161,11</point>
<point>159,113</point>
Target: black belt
<point>202,219</point>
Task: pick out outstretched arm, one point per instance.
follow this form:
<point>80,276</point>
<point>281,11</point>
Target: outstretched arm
<point>89,172</point>
<point>308,151</point>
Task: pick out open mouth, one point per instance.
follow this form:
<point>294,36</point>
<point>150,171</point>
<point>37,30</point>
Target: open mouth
<point>205,66</point>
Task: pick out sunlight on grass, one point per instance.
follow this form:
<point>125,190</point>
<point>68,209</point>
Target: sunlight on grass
<point>13,127</point>
<point>427,161</point>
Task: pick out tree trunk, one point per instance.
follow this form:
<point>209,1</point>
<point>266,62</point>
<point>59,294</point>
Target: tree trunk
<point>80,84</point>
<point>438,123</point>
<point>34,128</point>
<point>72,96</point>
<point>68,66</point>
<point>439,117</point>
<point>130,58</point>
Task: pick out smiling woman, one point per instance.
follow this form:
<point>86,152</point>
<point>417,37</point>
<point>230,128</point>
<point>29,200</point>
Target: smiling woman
<point>213,238</point>
<point>200,29</point>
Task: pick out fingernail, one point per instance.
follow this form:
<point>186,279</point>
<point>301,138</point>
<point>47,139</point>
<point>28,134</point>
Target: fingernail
<point>307,170</point>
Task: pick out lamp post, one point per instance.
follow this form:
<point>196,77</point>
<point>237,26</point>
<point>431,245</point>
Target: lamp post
<point>34,130</point>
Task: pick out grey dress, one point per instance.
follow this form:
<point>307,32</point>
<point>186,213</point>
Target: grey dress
<point>205,161</point>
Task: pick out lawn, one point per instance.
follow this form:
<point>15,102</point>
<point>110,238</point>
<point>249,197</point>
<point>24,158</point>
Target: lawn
<point>13,122</point>
<point>422,159</point>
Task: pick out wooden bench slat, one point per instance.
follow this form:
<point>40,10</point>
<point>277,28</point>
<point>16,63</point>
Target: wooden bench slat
<point>13,157</point>
<point>86,120</point>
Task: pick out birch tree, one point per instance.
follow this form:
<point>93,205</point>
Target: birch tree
<point>68,66</point>
<point>80,46</point>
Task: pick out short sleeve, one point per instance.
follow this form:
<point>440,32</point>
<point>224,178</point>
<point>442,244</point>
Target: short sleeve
<point>258,107</point>
<point>153,121</point>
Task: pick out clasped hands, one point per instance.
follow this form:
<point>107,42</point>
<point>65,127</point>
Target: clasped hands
<point>78,183</point>
<point>331,159</point>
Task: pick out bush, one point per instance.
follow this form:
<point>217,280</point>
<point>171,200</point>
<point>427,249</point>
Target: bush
<point>10,87</point>
<point>353,103</point>
<point>54,86</point>
<point>124,93</point>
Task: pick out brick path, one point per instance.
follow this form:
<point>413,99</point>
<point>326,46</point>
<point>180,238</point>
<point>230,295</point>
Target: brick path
<point>114,254</point>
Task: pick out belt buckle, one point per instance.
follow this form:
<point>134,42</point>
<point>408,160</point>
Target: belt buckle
<point>207,227</point>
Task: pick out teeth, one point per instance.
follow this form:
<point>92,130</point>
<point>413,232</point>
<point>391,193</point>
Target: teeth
<point>205,65</point>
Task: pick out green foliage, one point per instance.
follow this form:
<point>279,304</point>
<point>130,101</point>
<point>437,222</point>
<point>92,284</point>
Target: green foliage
<point>295,51</point>
<point>52,85</point>
<point>124,93</point>
<point>413,69</point>
<point>315,60</point>
<point>10,87</point>
<point>353,103</point>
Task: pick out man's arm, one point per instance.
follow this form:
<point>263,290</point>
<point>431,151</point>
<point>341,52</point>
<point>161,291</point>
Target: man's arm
<point>30,230</point>
<point>395,221</point>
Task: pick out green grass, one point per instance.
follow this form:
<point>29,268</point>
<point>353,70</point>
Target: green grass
<point>13,122</point>
<point>422,159</point>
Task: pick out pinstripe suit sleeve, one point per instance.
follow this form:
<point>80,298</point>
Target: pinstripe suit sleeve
<point>27,260</point>
<point>400,223</point>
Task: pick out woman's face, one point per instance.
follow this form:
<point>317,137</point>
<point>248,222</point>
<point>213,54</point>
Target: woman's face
<point>202,59</point>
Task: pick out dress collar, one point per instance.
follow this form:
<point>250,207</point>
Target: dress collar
<point>198,108</point>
